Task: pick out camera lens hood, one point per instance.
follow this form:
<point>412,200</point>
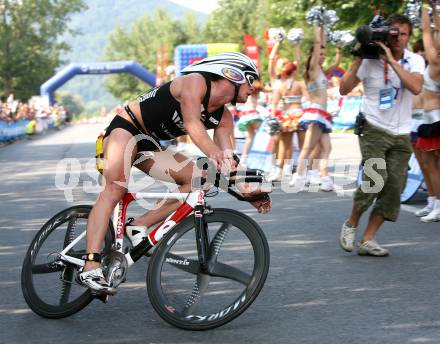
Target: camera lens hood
<point>364,34</point>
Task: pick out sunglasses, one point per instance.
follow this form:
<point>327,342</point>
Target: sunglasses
<point>250,79</point>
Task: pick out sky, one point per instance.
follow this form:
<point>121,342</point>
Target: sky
<point>205,6</point>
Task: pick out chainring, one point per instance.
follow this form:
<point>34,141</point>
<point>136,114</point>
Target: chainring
<point>115,267</point>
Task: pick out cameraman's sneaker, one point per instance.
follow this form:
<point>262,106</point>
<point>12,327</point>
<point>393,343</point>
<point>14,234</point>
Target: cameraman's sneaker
<point>95,280</point>
<point>372,248</point>
<point>135,233</point>
<point>426,210</point>
<point>347,237</point>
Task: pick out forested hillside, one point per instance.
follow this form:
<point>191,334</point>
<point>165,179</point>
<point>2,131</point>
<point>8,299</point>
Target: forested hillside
<point>94,25</point>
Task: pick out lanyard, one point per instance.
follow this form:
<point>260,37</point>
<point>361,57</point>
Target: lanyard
<point>402,62</point>
<point>385,73</point>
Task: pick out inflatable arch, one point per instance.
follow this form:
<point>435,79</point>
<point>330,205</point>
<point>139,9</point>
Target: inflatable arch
<point>67,73</point>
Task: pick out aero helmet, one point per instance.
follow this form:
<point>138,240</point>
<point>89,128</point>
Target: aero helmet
<point>235,67</point>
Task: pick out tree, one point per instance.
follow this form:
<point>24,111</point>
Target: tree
<point>351,13</point>
<point>72,103</point>
<point>232,19</point>
<point>191,29</point>
<point>29,49</point>
<point>140,44</point>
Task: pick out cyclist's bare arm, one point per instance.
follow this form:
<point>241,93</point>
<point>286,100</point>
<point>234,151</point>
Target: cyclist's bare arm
<point>190,93</point>
<point>224,131</point>
<point>222,137</point>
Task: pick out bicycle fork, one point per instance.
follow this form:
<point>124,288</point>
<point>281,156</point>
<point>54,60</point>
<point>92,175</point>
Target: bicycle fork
<point>202,238</point>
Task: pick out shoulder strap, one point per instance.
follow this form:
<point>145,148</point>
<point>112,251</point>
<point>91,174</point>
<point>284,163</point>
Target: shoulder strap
<point>134,119</point>
<point>205,100</point>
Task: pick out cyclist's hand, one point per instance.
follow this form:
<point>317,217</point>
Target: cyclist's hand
<point>263,205</point>
<point>224,161</point>
<point>249,189</point>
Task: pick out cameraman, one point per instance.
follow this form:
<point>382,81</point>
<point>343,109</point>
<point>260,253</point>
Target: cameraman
<point>389,84</point>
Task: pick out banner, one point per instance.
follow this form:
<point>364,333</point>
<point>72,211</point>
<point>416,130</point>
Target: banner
<point>12,130</point>
<point>260,154</point>
<point>252,49</point>
<point>165,61</point>
<point>269,43</point>
<point>159,67</point>
<point>414,181</point>
<point>348,112</point>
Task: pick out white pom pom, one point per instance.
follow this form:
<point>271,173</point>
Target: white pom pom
<point>277,34</point>
<point>295,36</point>
<point>340,38</point>
<point>318,15</point>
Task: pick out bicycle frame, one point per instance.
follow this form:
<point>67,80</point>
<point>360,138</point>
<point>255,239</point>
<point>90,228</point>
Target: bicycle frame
<point>192,201</point>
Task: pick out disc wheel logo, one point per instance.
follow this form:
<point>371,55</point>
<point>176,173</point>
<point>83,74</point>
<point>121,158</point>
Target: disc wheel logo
<point>232,74</point>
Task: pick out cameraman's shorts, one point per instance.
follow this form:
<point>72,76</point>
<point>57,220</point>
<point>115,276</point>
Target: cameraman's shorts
<point>385,176</point>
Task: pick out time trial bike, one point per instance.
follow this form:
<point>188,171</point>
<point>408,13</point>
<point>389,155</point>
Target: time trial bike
<point>207,265</point>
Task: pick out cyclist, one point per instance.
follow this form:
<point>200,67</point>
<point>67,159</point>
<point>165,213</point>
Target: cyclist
<point>190,104</point>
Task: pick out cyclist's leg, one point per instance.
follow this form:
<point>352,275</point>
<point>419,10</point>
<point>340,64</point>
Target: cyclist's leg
<point>116,174</point>
<point>171,167</point>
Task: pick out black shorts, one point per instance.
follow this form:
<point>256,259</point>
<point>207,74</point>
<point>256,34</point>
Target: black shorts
<point>147,143</point>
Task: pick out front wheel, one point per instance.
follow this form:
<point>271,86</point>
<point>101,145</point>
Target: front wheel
<point>47,282</point>
<point>192,299</point>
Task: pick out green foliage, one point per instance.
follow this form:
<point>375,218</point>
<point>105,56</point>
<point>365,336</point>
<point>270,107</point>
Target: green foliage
<point>28,36</point>
<point>141,43</point>
<point>232,19</point>
<point>351,13</point>
<point>96,24</point>
<point>191,29</point>
<point>235,17</point>
<point>31,48</point>
<point>73,103</point>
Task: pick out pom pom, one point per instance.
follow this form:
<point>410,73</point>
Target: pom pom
<point>340,38</point>
<point>315,15</point>
<point>318,15</point>
<point>413,11</point>
<point>295,36</point>
<point>277,34</point>
<point>330,18</point>
<point>273,126</point>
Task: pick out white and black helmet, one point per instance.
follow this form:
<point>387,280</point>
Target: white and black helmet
<point>236,67</point>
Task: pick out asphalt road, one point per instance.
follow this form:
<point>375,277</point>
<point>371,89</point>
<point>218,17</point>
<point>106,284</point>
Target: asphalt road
<point>315,292</point>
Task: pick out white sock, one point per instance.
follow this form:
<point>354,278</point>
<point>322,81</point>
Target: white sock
<point>431,200</point>
<point>287,169</point>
